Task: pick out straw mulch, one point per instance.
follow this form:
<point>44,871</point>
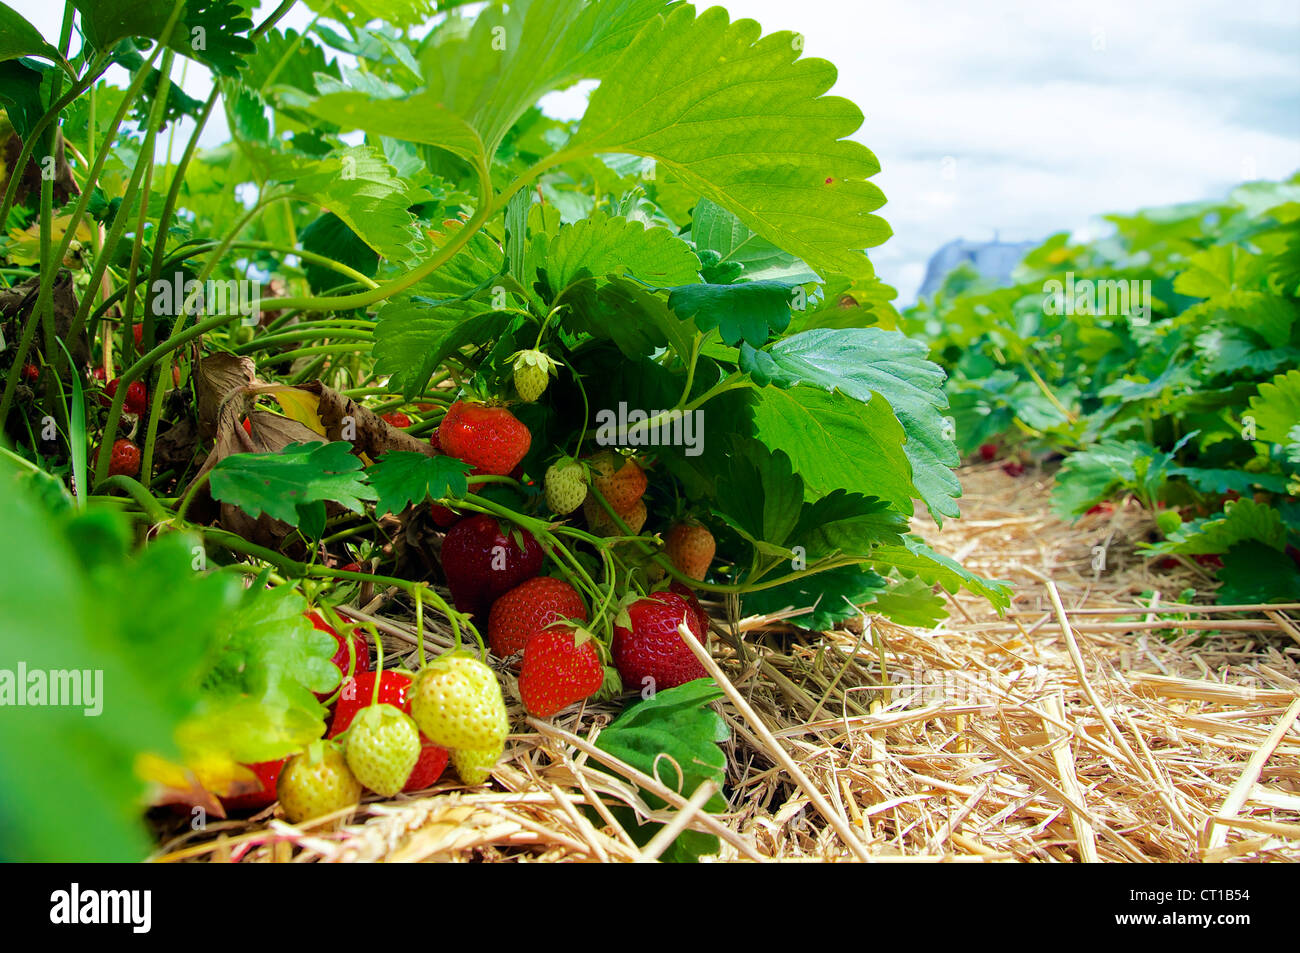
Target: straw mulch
<point>1082,726</point>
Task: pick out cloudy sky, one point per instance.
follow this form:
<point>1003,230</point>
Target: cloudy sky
<point>1023,117</point>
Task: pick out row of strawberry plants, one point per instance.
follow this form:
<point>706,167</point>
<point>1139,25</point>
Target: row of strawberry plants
<point>1160,362</point>
<point>405,334</point>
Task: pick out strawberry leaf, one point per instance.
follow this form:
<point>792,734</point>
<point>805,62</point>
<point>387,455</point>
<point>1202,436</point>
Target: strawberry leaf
<point>403,477</point>
<point>208,31</point>
<point>911,602</point>
<point>621,311</point>
<point>284,485</point>
<point>20,38</point>
<point>1253,573</point>
<point>479,82</point>
<point>715,229</point>
<point>825,598</point>
<point>915,558</point>
<point>359,186</point>
<point>446,312</point>
<point>837,442</point>
<point>137,630</point>
<point>748,312</point>
<point>788,172</point>
<point>763,495</point>
<point>1241,521</point>
<point>604,245</point>
<point>673,736</point>
<point>258,702</point>
<point>847,523</point>
<point>863,362</point>
<point>1276,409</point>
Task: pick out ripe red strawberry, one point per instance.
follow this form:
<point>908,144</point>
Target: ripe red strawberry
<point>99,374</point>
<point>619,480</point>
<point>137,399</point>
<point>397,419</point>
<point>340,659</point>
<point>527,609</point>
<point>687,593</point>
<point>483,562</point>
<point>443,517</point>
<point>652,648</point>
<point>1013,468</point>
<point>427,770</point>
<point>690,546</point>
<point>30,373</point>
<point>248,426</point>
<point>268,773</point>
<point>359,691</point>
<point>988,452</point>
<point>557,671</point>
<point>490,438</point>
<point>124,460</point>
<point>393,686</point>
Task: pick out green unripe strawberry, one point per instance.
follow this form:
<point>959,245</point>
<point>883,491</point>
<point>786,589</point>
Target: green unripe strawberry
<point>383,746</point>
<point>317,782</point>
<point>532,372</point>
<point>456,700</point>
<point>566,486</point>
<point>474,765</point>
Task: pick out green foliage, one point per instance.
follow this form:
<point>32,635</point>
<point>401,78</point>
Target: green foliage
<point>673,737</point>
<point>401,477</point>
<point>294,484</point>
<point>20,38</point>
<point>208,30</point>
<point>141,626</point>
<point>1158,360</point>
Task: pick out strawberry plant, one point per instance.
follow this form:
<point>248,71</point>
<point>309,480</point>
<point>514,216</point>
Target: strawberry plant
<point>1160,362</point>
<point>405,320</point>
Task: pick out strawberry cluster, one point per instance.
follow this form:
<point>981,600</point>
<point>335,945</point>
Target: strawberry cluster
<point>393,731</point>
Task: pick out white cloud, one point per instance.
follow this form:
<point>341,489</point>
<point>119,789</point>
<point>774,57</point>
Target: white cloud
<point>1052,111</point>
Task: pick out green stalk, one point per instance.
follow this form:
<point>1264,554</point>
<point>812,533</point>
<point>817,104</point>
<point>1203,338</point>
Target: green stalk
<point>306,334</point>
<point>128,198</point>
<point>414,276</point>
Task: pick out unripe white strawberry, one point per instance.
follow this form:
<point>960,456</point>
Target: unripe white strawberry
<point>457,702</point>
<point>317,782</point>
<point>532,372</point>
<point>566,486</point>
<point>383,746</point>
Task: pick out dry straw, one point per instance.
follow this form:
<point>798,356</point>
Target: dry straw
<point>1093,722</point>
